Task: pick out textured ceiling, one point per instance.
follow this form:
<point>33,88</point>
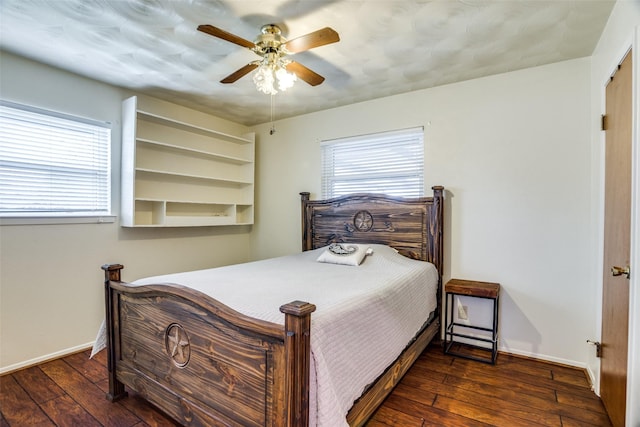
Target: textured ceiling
<point>386,47</point>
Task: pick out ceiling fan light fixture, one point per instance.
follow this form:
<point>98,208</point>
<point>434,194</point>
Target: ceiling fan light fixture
<point>264,80</point>
<point>285,79</point>
<point>272,76</point>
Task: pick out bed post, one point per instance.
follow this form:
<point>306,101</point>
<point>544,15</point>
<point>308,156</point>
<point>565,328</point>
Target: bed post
<point>297,324</point>
<point>436,241</point>
<point>436,226</point>
<point>116,388</point>
<point>306,239</point>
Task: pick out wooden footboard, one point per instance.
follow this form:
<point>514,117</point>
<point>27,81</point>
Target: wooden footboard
<point>203,363</point>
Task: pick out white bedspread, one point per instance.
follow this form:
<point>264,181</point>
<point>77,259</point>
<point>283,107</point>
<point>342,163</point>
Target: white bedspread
<point>365,315</point>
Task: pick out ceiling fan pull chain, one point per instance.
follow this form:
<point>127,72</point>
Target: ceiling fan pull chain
<point>273,127</point>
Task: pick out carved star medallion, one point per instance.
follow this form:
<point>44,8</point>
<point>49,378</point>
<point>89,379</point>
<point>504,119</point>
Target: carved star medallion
<point>177,345</point>
<point>363,221</point>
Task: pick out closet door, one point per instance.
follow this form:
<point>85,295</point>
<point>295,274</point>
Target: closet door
<point>617,244</point>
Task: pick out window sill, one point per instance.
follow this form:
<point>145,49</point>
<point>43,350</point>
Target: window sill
<point>41,220</point>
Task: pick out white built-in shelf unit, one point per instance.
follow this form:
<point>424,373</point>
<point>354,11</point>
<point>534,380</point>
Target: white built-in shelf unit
<point>178,170</point>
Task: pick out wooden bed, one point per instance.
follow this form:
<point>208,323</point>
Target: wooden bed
<point>205,364</point>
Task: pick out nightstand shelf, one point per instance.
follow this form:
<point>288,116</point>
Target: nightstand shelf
<point>470,288</point>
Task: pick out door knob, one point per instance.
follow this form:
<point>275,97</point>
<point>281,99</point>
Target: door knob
<point>619,271</point>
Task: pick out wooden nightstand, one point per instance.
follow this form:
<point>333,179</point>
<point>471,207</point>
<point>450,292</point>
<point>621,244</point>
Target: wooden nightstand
<point>474,289</point>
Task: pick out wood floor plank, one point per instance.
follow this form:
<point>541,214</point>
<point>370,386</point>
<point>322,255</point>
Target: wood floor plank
<point>574,380</point>
<point>518,364</point>
<point>490,403</point>
<point>100,357</point>
<point>375,423</point>
<point>490,378</point>
<point>103,385</point>
<point>39,386</point>
<point>580,401</point>
<point>530,363</point>
<point>495,417</point>
<point>425,369</point>
<point>586,417</point>
<point>64,411</point>
<point>415,394</point>
<point>580,409</point>
<point>571,422</point>
<point>92,369</point>
<point>505,374</point>
<point>388,416</point>
<point>503,392</point>
<point>17,406</point>
<point>431,415</point>
<point>149,414</point>
<point>89,395</point>
<point>484,414</point>
<point>570,370</point>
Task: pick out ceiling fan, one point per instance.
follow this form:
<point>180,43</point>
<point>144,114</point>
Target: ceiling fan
<point>273,48</point>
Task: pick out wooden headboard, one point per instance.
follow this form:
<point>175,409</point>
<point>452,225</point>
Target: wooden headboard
<point>412,226</point>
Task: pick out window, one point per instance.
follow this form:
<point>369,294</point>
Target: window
<point>391,163</point>
<point>52,165</point>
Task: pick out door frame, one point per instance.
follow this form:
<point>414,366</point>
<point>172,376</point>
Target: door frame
<point>633,356</point>
<point>633,363</point>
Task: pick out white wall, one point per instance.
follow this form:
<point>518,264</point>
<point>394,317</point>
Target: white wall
<point>51,298</point>
<point>513,152</point>
<point>620,34</point>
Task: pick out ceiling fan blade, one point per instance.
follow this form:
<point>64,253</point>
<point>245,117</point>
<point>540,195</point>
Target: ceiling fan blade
<point>303,73</point>
<point>222,34</point>
<point>240,73</point>
<point>317,38</point>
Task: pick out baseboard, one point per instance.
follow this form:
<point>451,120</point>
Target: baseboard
<point>45,358</point>
<point>544,357</point>
<point>592,380</point>
<point>536,356</point>
<point>553,360</point>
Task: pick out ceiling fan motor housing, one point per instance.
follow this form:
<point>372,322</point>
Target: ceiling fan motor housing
<point>270,39</point>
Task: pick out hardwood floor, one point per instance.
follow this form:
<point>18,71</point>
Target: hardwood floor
<point>439,390</point>
<point>444,390</point>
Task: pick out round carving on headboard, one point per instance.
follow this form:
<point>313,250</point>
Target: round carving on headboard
<point>177,345</point>
<point>363,221</point>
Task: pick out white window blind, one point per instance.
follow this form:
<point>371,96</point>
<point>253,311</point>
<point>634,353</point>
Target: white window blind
<point>52,164</point>
<point>391,163</point>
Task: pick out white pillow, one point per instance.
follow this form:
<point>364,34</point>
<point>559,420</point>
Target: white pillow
<point>344,254</point>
